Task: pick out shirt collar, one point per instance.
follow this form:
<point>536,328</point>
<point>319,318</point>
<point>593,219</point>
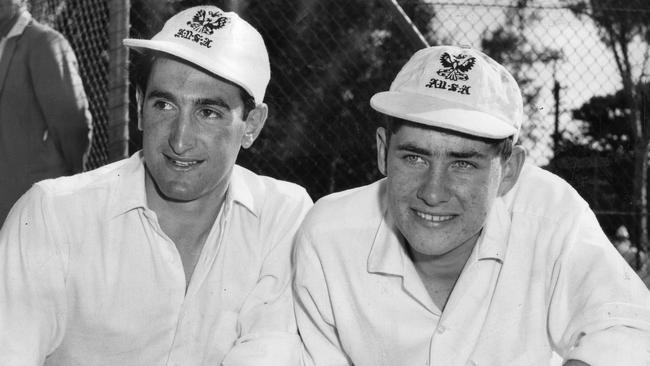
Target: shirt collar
<point>493,242</point>
<point>240,190</point>
<point>19,27</point>
<point>387,253</point>
<point>129,193</point>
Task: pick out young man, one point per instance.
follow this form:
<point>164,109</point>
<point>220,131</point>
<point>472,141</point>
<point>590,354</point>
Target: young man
<point>463,255</point>
<point>175,256</point>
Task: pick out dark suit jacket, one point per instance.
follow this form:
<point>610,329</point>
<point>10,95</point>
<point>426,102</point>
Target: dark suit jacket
<point>45,124</point>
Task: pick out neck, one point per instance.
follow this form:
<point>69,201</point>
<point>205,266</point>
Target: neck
<point>447,266</point>
<point>180,218</point>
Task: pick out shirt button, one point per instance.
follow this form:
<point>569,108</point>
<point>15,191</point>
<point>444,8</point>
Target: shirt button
<point>441,329</point>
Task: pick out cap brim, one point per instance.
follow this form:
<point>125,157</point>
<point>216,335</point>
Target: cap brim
<point>441,113</point>
<point>189,55</point>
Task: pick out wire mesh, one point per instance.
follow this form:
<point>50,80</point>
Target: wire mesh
<point>329,57</point>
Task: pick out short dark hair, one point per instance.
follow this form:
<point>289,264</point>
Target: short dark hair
<point>503,147</point>
<point>143,64</point>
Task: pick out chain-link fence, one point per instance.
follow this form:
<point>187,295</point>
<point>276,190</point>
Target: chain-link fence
<point>329,57</point>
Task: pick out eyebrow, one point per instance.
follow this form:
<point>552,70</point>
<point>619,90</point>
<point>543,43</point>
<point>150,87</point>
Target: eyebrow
<point>160,94</point>
<point>216,102</point>
<point>201,101</point>
<point>414,149</point>
<point>466,154</point>
<point>469,154</point>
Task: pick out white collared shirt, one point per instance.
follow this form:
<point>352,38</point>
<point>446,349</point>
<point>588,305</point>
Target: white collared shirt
<point>87,276</point>
<point>23,19</point>
<point>542,284</point>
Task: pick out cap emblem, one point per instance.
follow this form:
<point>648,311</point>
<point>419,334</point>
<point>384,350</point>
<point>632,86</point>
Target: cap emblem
<point>207,24</point>
<point>456,67</point>
<point>203,22</point>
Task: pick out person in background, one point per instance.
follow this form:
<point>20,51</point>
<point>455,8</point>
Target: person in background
<point>635,258</point>
<point>176,255</point>
<point>464,254</point>
<point>45,124</point>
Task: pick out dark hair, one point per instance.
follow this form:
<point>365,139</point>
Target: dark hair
<point>503,147</point>
<point>143,63</point>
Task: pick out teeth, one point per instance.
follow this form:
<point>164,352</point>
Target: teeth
<point>434,218</point>
<point>184,164</point>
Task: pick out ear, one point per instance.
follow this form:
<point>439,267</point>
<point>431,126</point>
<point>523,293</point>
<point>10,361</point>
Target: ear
<point>139,98</point>
<point>254,123</point>
<point>382,150</point>
<point>511,169</point>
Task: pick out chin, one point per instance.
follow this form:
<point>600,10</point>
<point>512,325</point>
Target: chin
<point>176,193</point>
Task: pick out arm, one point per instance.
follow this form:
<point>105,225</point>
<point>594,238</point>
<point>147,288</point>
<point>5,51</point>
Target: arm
<point>61,97</point>
<point>313,310</point>
<point>266,320</point>
<point>32,292</point>
<point>600,310</point>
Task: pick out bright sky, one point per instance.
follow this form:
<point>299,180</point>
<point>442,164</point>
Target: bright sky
<point>588,67</point>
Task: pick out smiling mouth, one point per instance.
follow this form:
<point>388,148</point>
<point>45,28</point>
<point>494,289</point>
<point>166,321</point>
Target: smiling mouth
<point>182,164</point>
<point>433,218</point>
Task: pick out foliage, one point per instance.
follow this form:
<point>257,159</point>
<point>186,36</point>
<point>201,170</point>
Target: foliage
<point>509,45</point>
<point>624,26</point>
<point>595,162</point>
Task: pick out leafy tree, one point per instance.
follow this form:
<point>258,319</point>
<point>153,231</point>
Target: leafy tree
<point>600,157</point>
<point>509,45</point>
<point>624,26</point>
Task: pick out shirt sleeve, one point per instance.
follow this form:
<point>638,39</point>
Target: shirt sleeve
<point>61,97</point>
<point>32,289</point>
<point>267,320</point>
<point>313,310</point>
<point>599,311</point>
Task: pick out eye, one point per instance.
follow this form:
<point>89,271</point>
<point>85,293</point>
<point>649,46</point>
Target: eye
<point>162,105</point>
<point>415,160</point>
<point>463,164</point>
<point>207,113</point>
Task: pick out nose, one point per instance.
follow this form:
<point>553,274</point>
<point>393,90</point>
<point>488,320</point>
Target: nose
<point>434,188</point>
<point>181,136</point>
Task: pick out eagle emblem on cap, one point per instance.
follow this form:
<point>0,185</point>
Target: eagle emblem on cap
<point>207,22</point>
<point>456,67</point>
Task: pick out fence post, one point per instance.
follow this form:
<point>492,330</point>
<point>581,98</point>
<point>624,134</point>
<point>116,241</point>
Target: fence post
<point>118,80</point>
<point>406,25</point>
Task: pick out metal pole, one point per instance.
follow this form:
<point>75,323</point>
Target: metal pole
<point>556,96</point>
<point>118,80</point>
<point>643,211</point>
<point>406,25</point>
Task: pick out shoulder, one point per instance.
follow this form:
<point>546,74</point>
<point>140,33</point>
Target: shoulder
<point>48,38</point>
<point>104,177</point>
<point>73,201</point>
<point>267,193</point>
<point>354,210</point>
<point>39,30</point>
<point>89,191</point>
<point>541,193</point>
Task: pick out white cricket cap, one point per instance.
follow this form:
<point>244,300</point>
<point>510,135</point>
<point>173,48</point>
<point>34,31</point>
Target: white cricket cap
<point>217,41</point>
<point>455,88</point>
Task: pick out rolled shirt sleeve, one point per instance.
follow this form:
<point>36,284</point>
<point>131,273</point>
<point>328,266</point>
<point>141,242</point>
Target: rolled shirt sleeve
<point>600,310</point>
